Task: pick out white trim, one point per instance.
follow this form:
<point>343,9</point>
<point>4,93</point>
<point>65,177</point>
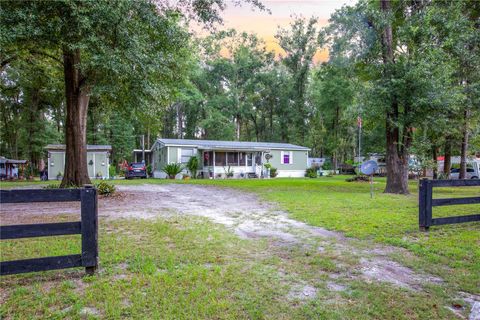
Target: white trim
<point>282,153</point>
<point>219,148</point>
<point>168,155</point>
<point>290,158</point>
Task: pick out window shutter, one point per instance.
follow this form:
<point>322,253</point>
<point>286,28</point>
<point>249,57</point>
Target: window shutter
<point>281,157</point>
<point>291,157</point>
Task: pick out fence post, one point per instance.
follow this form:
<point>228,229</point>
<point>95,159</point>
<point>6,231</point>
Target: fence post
<point>421,204</point>
<point>89,215</point>
<point>428,204</point>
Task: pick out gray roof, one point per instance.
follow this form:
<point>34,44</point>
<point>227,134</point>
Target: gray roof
<point>12,161</point>
<point>90,147</point>
<point>238,145</point>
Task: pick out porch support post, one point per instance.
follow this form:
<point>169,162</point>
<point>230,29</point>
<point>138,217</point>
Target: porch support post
<point>213,164</point>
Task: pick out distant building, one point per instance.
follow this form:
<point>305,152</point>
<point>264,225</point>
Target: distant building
<point>98,159</point>
<point>9,168</point>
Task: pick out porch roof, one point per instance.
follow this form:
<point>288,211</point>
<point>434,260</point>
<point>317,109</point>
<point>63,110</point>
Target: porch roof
<point>231,145</point>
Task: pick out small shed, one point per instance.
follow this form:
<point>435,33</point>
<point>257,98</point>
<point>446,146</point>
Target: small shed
<point>9,167</point>
<point>98,159</point>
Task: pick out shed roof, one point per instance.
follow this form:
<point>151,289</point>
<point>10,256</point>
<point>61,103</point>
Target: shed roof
<point>12,161</point>
<point>90,147</point>
<point>238,145</point>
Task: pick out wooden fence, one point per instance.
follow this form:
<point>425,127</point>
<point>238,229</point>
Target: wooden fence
<point>426,202</point>
<point>87,227</point>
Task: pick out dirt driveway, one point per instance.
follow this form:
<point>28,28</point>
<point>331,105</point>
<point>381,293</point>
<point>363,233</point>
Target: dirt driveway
<point>248,217</point>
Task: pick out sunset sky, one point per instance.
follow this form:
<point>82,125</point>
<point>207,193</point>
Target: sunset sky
<point>265,25</point>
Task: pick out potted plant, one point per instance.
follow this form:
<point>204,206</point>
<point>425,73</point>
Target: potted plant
<point>185,176</point>
<point>99,175</point>
<point>172,169</point>
<point>59,175</point>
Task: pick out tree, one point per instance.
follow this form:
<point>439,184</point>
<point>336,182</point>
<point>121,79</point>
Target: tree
<point>300,43</point>
<point>103,46</point>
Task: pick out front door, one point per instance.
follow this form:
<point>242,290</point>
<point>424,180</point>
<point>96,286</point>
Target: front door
<point>250,163</point>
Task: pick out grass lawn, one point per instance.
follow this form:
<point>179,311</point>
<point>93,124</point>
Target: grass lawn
<point>180,268</point>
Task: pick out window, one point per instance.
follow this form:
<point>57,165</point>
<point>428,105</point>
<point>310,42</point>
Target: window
<point>232,158</point>
<point>186,154</point>
<point>258,158</point>
<point>249,159</point>
<point>220,159</point>
<point>286,157</point>
<point>241,158</point>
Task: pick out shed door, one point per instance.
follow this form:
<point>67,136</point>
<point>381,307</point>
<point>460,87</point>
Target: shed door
<point>91,164</point>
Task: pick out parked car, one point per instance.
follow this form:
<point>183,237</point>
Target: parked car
<point>136,170</point>
<point>473,171</point>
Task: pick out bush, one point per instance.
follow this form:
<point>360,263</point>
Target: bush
<point>327,165</point>
<point>192,166</point>
<point>51,186</point>
<point>311,172</point>
<point>228,172</point>
<point>112,172</point>
<point>172,169</point>
<point>362,178</point>
<point>149,170</point>
<point>273,172</point>
<point>104,188</point>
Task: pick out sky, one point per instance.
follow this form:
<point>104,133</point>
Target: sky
<point>265,25</point>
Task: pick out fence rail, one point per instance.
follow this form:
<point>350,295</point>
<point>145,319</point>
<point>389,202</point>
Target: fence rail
<point>426,203</point>
<point>87,227</point>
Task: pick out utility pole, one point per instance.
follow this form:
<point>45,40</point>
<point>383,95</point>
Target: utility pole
<point>359,123</point>
<point>143,148</point>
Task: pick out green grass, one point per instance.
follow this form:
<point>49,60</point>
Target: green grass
<point>191,268</point>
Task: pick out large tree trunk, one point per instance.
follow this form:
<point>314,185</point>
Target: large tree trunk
<point>77,98</point>
<point>397,151</point>
<point>464,150</point>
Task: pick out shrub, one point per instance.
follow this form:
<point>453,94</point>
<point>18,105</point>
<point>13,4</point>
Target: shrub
<point>311,172</point>
<point>228,172</point>
<point>104,188</point>
<point>172,169</point>
<point>112,172</point>
<point>358,178</point>
<point>51,186</point>
<point>327,165</point>
<point>273,172</point>
<point>192,166</point>
<point>149,170</point>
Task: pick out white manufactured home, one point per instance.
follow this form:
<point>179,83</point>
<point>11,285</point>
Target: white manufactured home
<point>245,159</point>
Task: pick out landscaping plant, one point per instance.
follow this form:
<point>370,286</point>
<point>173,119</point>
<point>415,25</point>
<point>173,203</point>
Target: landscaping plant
<point>192,166</point>
<point>311,172</point>
<point>172,169</point>
<point>104,188</point>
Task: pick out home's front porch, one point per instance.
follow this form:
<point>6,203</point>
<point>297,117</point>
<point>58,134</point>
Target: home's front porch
<point>232,163</point>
